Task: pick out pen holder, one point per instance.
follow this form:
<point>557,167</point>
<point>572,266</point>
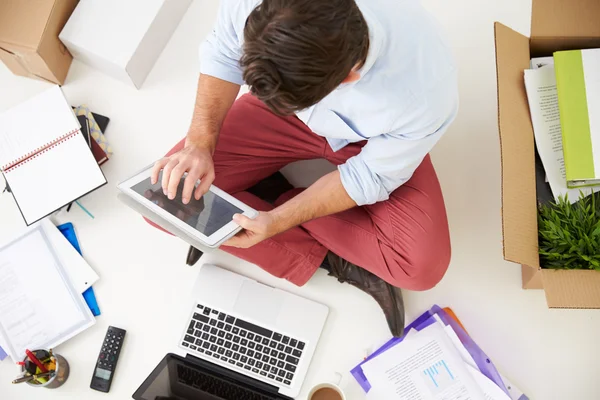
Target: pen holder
<point>60,376</point>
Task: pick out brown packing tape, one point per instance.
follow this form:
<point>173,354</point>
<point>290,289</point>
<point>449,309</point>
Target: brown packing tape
<point>519,205</point>
<point>565,18</point>
<point>572,288</point>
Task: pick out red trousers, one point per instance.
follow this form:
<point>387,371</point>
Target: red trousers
<point>404,240</point>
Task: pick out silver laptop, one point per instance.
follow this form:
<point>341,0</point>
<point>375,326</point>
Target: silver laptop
<point>252,329</point>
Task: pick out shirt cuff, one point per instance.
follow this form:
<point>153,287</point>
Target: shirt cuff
<point>363,186</point>
<point>220,70</point>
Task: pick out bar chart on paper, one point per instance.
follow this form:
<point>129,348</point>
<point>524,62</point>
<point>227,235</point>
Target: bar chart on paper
<point>439,376</point>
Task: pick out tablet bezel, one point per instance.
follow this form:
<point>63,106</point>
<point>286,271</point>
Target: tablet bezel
<point>214,240</point>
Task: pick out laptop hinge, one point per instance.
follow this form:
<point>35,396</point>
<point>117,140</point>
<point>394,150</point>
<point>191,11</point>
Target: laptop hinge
<point>236,376</point>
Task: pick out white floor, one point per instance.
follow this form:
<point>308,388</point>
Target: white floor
<point>550,354</point>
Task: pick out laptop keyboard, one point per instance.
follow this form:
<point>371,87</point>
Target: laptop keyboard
<point>269,354</point>
<point>216,387</point>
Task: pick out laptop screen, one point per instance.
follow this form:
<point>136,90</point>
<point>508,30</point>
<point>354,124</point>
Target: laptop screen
<point>176,378</point>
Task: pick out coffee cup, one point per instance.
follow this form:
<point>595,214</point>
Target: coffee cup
<point>329,390</point>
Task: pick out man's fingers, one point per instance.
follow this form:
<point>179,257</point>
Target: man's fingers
<point>158,166</point>
<point>240,240</point>
<point>205,182</point>
<point>189,184</point>
<point>175,179</point>
<point>167,174</point>
<point>244,221</point>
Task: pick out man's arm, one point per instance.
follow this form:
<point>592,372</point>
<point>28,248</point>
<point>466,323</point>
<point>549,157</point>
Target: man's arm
<point>213,100</point>
<point>325,197</point>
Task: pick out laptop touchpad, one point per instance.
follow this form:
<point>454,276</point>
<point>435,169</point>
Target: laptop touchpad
<point>259,302</point>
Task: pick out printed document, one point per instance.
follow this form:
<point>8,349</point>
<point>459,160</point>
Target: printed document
<point>422,367</point>
<point>545,116</point>
<point>39,307</point>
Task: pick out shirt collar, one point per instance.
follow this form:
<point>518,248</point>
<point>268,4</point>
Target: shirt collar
<point>376,40</point>
<point>376,43</point>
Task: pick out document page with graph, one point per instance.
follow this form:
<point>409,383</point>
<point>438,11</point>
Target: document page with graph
<point>423,366</point>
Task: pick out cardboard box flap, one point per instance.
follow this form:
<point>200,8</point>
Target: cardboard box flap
<point>565,19</point>
<point>519,205</point>
<point>572,288</point>
<point>22,23</point>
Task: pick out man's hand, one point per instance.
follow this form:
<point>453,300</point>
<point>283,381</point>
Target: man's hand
<point>214,98</point>
<point>325,197</point>
<point>196,161</point>
<point>255,230</point>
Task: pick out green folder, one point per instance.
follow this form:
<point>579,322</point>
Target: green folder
<point>579,105</point>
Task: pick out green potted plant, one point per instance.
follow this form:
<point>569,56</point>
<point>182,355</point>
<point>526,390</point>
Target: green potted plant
<point>569,234</point>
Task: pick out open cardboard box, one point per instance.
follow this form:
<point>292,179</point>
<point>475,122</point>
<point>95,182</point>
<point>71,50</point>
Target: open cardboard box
<point>555,25</point>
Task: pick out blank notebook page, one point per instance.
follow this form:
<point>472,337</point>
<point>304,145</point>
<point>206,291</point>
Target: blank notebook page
<point>44,157</point>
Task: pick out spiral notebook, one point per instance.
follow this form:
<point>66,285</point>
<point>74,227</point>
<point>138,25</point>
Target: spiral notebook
<point>44,156</point>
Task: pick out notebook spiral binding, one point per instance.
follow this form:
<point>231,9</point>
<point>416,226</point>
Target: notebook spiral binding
<point>40,150</point>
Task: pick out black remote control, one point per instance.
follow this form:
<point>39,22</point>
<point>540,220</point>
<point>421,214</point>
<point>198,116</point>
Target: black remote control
<point>107,359</point>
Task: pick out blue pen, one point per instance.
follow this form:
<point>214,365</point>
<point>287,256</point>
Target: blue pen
<point>84,209</point>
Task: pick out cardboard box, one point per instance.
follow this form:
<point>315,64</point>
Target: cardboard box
<point>29,44</point>
<point>555,25</point>
<point>123,39</point>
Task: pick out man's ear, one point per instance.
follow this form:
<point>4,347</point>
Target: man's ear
<point>353,76</point>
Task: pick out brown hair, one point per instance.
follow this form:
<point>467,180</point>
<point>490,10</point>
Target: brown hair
<point>296,52</point>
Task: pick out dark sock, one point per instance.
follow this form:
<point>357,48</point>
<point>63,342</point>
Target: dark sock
<point>325,264</point>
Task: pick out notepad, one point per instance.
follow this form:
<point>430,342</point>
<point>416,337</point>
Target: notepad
<point>44,156</point>
<point>39,306</point>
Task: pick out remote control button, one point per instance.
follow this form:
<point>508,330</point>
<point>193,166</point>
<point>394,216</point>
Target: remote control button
<point>300,345</point>
<point>296,353</point>
<point>102,356</point>
<point>287,382</point>
<point>293,342</point>
<point>278,379</point>
<point>185,344</point>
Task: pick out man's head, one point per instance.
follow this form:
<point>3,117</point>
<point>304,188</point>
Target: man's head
<point>296,52</point>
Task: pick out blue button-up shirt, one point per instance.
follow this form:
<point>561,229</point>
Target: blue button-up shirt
<point>404,101</point>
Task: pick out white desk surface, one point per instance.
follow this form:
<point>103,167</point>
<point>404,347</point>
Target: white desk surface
<point>550,354</point>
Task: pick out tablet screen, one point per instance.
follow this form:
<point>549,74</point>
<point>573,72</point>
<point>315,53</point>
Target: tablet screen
<point>207,215</point>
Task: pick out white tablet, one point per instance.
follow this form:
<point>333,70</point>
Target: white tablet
<point>209,219</point>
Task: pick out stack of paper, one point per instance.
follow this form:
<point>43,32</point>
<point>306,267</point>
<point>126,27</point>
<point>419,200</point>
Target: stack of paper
<point>436,359</point>
<point>542,94</point>
<point>42,278</point>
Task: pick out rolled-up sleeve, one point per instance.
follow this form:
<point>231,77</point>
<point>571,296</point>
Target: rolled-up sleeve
<point>387,161</point>
<point>221,52</point>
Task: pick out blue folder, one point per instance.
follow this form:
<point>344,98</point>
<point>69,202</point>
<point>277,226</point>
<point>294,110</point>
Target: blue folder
<point>68,232</point>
